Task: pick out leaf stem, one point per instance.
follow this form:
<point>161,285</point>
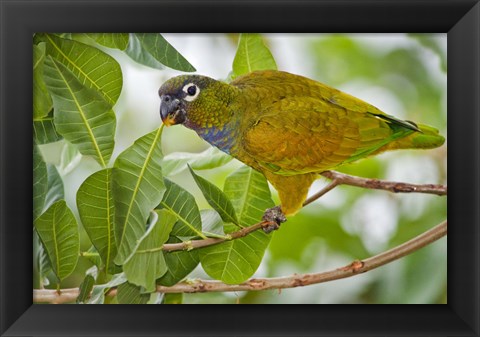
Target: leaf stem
<point>218,236</point>
<point>89,254</point>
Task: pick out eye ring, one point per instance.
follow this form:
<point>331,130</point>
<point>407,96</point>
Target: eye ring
<point>191,90</point>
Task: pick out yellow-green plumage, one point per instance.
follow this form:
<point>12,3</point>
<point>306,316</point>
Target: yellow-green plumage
<point>291,128</point>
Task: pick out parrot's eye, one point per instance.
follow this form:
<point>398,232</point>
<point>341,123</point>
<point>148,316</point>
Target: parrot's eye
<point>192,91</point>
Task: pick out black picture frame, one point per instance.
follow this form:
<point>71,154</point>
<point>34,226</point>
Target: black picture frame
<point>20,19</point>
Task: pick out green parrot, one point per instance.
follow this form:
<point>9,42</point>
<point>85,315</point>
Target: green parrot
<point>288,127</point>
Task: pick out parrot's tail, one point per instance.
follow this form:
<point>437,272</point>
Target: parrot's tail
<point>428,138</point>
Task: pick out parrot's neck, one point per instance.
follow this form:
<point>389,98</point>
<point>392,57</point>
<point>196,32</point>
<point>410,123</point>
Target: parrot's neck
<point>214,119</point>
<point>222,137</point>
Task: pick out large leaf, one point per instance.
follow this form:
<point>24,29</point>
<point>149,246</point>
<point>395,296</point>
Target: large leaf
<point>41,264</point>
<point>55,189</point>
<point>85,288</point>
<point>42,102</point>
<point>128,293</point>
<point>252,54</point>
<point>189,224</point>
<point>212,222</point>
<point>216,198</point>
<point>176,162</point>
<point>183,205</point>
<point>40,182</point>
<point>57,228</point>
<point>96,210</point>
<point>94,68</point>
<point>98,293</point>
<point>249,193</point>
<point>180,263</point>
<point>44,130</point>
<point>235,261</point>
<point>154,51</point>
<point>70,158</point>
<point>82,116</point>
<point>137,189</point>
<point>147,263</point>
<point>110,40</point>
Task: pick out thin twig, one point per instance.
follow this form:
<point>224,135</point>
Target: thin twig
<point>323,191</point>
<point>256,284</point>
<point>391,186</point>
<point>192,244</point>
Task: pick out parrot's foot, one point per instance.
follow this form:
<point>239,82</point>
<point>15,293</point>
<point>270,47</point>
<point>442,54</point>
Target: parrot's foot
<point>273,218</point>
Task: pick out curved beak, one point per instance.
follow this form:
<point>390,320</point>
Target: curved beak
<point>171,110</point>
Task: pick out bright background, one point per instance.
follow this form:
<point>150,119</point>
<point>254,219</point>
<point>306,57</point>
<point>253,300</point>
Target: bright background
<point>403,75</point>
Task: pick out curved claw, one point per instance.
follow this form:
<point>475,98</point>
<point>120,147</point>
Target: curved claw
<point>273,218</point>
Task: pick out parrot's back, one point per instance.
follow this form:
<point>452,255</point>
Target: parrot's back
<point>293,125</point>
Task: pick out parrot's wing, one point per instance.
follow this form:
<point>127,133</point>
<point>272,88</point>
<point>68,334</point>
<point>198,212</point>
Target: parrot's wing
<point>346,101</point>
<point>304,134</point>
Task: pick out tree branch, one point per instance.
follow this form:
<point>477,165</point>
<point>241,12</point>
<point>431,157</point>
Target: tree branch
<point>295,280</point>
<point>355,268</point>
<point>337,179</point>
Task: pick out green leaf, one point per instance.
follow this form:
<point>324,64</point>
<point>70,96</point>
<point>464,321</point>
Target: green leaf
<point>96,210</point>
<point>41,264</point>
<point>94,68</point>
<point>249,193</point>
<point>252,54</point>
<point>235,261</point>
<point>82,116</point>
<point>57,228</point>
<point>154,51</point>
<point>42,102</point>
<point>183,205</point>
<point>110,40</point>
<point>40,182</point>
<point>44,131</point>
<point>55,190</point>
<point>98,292</point>
<point>211,222</point>
<point>128,293</point>
<point>173,299</point>
<point>180,263</point>
<point>137,189</point>
<point>176,162</point>
<point>147,263</point>
<point>85,288</point>
<point>70,157</point>
<point>216,198</point>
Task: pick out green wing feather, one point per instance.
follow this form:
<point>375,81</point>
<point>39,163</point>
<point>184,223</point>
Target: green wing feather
<point>295,125</point>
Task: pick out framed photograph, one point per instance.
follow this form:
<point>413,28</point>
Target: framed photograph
<point>172,142</point>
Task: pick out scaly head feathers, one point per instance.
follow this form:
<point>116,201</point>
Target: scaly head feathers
<point>198,102</point>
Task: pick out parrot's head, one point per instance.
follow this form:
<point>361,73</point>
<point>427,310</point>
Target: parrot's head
<point>191,99</point>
